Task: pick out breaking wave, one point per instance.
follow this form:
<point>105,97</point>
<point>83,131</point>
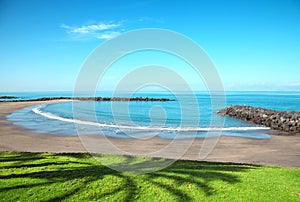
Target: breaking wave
<point>38,110</point>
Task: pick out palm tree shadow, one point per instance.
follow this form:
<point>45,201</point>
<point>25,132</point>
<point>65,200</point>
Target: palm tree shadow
<point>20,157</point>
<point>198,174</point>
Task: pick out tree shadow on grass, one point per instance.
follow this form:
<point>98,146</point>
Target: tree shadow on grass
<point>88,175</point>
<point>20,157</point>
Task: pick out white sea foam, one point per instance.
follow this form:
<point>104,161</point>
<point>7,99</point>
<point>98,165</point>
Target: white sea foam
<point>38,110</point>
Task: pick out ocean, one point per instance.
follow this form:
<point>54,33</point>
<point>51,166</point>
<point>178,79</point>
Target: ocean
<point>188,116</point>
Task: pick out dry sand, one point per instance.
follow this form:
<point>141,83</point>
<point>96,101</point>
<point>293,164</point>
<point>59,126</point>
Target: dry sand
<point>277,150</point>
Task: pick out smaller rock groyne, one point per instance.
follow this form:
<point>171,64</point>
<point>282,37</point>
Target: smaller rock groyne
<point>113,99</point>
<point>287,121</point>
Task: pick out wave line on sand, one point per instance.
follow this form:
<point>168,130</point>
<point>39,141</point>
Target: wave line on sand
<point>38,110</point>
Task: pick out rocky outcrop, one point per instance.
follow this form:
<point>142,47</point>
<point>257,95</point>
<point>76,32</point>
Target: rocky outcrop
<point>287,121</point>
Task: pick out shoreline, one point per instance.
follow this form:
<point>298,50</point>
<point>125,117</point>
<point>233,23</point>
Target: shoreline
<point>277,150</point>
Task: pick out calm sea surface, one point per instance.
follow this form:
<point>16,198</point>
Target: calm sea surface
<point>187,116</point>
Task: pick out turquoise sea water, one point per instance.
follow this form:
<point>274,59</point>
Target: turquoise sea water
<point>182,118</point>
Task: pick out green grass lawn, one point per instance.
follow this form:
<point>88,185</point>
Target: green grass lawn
<point>79,177</point>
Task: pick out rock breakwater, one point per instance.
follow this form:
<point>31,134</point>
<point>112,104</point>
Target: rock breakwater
<point>113,99</point>
<point>287,121</point>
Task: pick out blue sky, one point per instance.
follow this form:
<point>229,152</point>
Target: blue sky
<point>254,44</point>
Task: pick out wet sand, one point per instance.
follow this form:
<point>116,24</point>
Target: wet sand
<point>277,150</point>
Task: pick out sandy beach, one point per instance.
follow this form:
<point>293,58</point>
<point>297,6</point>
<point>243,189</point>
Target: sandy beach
<point>277,150</point>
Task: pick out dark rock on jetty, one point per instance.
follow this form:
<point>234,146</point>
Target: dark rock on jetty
<point>126,99</point>
<point>287,121</point>
<point>8,97</point>
<point>97,99</point>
